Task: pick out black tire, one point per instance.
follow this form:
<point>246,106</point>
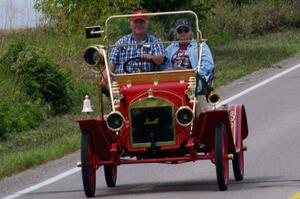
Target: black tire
<point>110,172</point>
<point>238,165</point>
<point>221,159</point>
<point>87,170</point>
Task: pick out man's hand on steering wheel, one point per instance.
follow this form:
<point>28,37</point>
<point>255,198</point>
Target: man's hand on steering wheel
<point>146,57</point>
<point>142,58</point>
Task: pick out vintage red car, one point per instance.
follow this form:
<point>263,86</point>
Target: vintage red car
<point>153,116</point>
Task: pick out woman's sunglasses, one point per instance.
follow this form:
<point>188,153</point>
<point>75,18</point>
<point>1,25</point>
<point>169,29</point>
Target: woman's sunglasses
<point>181,30</point>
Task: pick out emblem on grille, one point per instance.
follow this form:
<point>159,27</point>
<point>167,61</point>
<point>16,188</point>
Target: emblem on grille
<point>149,122</point>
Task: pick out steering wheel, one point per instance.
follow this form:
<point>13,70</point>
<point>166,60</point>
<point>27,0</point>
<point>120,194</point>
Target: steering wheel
<point>125,65</point>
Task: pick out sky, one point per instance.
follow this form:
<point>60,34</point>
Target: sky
<point>18,14</point>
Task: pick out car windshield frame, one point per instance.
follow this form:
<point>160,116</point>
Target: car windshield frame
<point>198,37</point>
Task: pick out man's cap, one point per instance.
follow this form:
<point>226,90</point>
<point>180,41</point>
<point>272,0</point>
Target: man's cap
<point>183,23</point>
<point>134,18</point>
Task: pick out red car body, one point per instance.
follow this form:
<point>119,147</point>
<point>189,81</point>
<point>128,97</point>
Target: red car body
<point>152,133</point>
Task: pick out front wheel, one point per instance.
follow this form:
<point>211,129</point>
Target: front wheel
<point>110,172</point>
<point>88,170</point>
<point>221,157</point>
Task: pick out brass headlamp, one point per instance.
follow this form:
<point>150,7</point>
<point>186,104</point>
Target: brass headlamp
<point>94,56</point>
<point>213,98</point>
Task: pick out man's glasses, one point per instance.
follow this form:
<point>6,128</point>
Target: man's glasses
<point>181,30</point>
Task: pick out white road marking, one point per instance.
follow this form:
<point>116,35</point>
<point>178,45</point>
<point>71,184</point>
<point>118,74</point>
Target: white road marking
<point>75,170</point>
<point>258,85</point>
<point>42,184</point>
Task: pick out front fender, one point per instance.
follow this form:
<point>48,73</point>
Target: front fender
<point>206,125</point>
<point>101,139</point>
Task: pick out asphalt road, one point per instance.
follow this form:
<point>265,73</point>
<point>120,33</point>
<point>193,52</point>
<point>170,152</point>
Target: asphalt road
<point>272,162</point>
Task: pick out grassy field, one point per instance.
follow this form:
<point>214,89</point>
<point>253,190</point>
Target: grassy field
<point>59,135</point>
<point>54,138</point>
<point>241,57</point>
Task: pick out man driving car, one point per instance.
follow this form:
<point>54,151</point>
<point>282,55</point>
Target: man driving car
<point>136,46</point>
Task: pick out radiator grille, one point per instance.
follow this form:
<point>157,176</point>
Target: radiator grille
<point>152,123</point>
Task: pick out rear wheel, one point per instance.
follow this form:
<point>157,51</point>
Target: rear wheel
<point>88,170</point>
<point>238,165</point>
<point>221,157</point>
<point>110,172</point>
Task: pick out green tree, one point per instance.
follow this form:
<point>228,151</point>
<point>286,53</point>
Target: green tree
<point>70,15</point>
<point>162,5</point>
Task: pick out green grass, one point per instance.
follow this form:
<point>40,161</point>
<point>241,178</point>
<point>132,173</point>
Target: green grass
<point>53,139</point>
<point>58,136</point>
<point>15,90</point>
<point>242,57</point>
<point>66,50</point>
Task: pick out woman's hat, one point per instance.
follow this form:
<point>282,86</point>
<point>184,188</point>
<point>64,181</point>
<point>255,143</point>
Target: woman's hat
<point>183,23</point>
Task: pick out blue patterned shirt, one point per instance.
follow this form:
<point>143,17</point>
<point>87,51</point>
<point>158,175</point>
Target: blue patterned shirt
<point>121,53</point>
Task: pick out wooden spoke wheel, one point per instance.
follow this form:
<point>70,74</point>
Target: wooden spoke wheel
<point>221,157</point>
<point>110,172</point>
<point>88,170</point>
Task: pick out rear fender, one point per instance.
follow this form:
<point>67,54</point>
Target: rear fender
<point>238,123</point>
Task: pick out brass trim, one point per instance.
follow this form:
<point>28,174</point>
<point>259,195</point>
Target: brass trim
<point>128,75</point>
<point>150,93</point>
<point>100,63</point>
<point>115,112</point>
<point>128,83</point>
<point>199,33</point>
<point>162,91</point>
<point>213,95</point>
<point>181,80</point>
<point>116,94</point>
<point>191,89</point>
<point>184,107</point>
<point>155,102</point>
<point>230,156</point>
<point>99,94</point>
<point>141,104</point>
<point>103,52</point>
<point>147,144</point>
<point>151,43</point>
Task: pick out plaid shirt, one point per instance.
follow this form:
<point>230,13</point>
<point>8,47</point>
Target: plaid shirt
<point>121,53</point>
